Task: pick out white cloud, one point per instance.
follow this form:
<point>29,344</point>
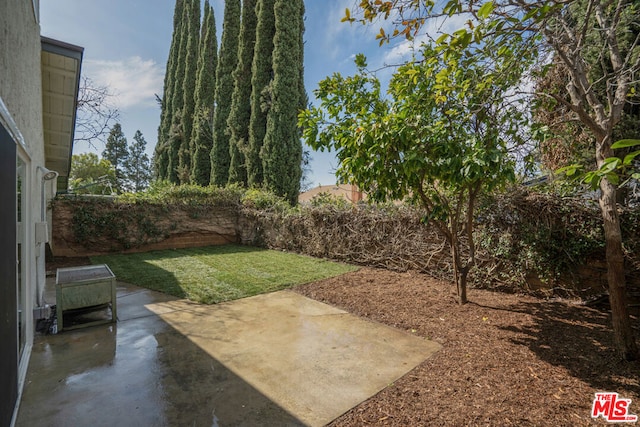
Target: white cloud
<point>403,50</point>
<point>134,80</point>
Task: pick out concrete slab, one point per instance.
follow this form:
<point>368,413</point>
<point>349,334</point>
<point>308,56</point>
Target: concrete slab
<point>276,359</point>
<point>311,359</point>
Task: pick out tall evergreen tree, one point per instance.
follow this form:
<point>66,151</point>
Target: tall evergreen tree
<point>161,159</point>
<point>161,155</point>
<point>202,135</point>
<point>240,114</point>
<point>116,152</point>
<point>227,62</point>
<point>282,148</point>
<point>188,89</point>
<point>176,134</point>
<point>303,101</point>
<point>137,167</point>
<point>261,75</point>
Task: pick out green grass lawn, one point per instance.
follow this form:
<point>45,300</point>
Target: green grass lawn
<point>219,273</point>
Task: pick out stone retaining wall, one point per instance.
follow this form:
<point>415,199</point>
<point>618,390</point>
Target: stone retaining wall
<point>127,228</point>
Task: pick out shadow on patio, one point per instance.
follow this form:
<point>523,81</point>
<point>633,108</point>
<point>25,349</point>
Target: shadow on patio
<point>140,371</point>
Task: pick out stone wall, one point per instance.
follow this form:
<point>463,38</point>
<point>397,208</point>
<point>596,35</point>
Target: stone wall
<point>138,228</point>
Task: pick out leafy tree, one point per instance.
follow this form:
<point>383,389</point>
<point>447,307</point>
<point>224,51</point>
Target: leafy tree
<point>117,153</point>
<point>202,134</point>
<point>188,89</point>
<point>441,134</point>
<point>161,155</point>
<point>282,149</point>
<point>261,75</point>
<point>600,112</point>
<point>137,166</point>
<point>91,175</point>
<point>227,62</point>
<point>571,38</point>
<point>569,141</point>
<point>240,114</point>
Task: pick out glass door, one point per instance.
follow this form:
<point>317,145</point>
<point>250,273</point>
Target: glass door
<point>21,258</point>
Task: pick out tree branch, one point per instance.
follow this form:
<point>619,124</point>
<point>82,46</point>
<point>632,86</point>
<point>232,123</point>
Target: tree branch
<point>95,114</point>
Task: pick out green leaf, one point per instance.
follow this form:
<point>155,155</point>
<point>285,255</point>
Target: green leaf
<point>485,10</point>
<point>629,158</point>
<point>443,38</point>
<point>593,179</point>
<point>452,7</point>
<point>613,178</point>
<point>609,165</point>
<point>624,143</point>
<point>570,170</point>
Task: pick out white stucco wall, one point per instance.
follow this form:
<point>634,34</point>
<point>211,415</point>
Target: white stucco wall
<point>20,79</point>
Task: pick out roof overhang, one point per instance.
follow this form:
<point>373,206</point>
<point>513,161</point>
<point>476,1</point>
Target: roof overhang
<point>61,64</point>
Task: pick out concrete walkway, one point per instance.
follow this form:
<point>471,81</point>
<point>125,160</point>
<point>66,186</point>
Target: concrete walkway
<point>274,359</point>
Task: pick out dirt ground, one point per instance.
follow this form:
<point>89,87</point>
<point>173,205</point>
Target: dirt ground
<point>507,360</point>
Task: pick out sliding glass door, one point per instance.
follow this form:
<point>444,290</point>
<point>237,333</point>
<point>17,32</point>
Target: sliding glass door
<point>23,311</point>
<point>9,267</point>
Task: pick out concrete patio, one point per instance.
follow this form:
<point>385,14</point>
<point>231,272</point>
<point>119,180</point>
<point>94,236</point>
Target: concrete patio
<point>274,359</point>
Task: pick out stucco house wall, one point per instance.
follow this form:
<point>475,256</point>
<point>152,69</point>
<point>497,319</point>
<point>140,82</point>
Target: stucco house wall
<point>23,192</point>
<point>20,62</point>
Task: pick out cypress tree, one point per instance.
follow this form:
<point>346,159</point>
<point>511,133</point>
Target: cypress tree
<point>174,141</point>
<point>227,62</point>
<point>175,134</point>
<point>261,75</point>
<point>304,99</point>
<point>160,160</point>
<point>282,149</point>
<point>240,114</point>
<point>188,89</point>
<point>202,135</point>
<point>161,157</point>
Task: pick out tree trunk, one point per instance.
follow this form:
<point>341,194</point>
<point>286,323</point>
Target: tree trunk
<point>462,289</point>
<point>459,274</point>
<point>623,334</point>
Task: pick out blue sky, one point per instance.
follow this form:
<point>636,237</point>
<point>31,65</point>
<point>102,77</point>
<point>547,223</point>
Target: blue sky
<point>127,42</point>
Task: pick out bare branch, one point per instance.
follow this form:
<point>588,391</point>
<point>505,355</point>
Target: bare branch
<point>95,113</point>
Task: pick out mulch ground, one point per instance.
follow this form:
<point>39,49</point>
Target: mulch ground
<point>507,360</point>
